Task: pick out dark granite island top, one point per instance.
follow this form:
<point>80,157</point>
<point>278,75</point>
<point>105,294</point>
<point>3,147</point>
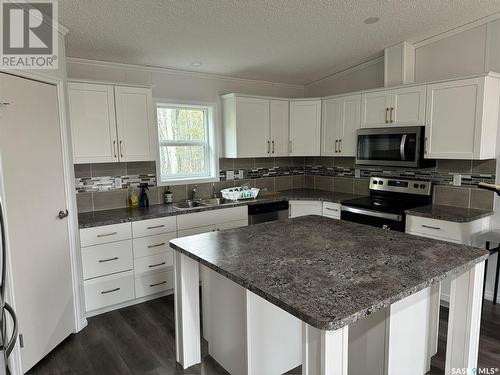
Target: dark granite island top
<point>328,273</point>
<point>449,213</point>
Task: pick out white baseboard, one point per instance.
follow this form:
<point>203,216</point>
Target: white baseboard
<point>136,301</point>
<point>489,296</point>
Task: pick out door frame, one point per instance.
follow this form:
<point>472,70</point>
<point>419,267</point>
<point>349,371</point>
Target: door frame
<point>80,321</point>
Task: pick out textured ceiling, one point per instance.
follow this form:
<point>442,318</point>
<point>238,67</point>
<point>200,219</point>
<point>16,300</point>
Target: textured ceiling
<point>292,41</point>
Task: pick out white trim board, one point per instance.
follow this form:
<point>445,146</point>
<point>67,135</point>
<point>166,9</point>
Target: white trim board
<point>165,70</point>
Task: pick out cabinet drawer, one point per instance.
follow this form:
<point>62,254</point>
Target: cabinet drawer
<point>105,234</point>
<point>331,210</point>
<point>152,245</point>
<point>154,263</point>
<point>108,258</point>
<point>155,283</point>
<point>434,228</point>
<point>205,218</point>
<point>109,290</point>
<point>197,230</point>
<point>232,225</point>
<point>154,226</point>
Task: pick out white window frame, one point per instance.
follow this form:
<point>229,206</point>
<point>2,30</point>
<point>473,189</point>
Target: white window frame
<point>211,156</point>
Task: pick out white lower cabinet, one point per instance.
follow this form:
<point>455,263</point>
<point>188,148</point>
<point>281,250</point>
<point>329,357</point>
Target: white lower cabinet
<point>461,233</point>
<point>129,263</point>
<point>303,208</point>
<point>154,283</point>
<point>109,290</point>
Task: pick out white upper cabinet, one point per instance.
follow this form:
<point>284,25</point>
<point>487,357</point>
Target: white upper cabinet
<point>93,125</point>
<point>375,109</point>
<point>462,119</point>
<point>279,121</point>
<point>110,123</point>
<point>246,126</point>
<point>305,127</point>
<point>408,105</point>
<point>400,107</point>
<point>133,120</point>
<point>341,119</point>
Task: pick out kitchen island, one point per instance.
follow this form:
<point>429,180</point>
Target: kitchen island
<point>332,275</point>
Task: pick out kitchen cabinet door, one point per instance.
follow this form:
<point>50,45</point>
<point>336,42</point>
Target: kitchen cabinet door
<point>462,119</point>
<point>279,122</point>
<point>347,129</point>
<point>375,109</point>
<point>93,125</point>
<point>305,128</point>
<point>408,106</point>
<point>303,208</point>
<point>134,111</point>
<point>331,120</point>
<point>252,127</point>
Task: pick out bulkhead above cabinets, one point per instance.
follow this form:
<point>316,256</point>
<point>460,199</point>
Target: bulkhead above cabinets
<point>110,123</point>
<point>460,118</point>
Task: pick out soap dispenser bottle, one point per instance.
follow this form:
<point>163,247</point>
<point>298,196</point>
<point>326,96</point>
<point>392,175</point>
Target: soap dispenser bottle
<point>144,200</point>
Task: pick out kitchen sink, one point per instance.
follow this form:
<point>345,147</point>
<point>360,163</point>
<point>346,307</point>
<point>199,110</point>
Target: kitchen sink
<point>214,201</point>
<point>189,204</point>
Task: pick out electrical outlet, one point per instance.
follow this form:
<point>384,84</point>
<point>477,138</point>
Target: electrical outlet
<point>229,175</point>
<point>240,174</point>
<point>457,180</point>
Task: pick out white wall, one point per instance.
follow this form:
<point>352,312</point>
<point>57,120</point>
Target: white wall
<point>366,76</point>
<point>178,85</point>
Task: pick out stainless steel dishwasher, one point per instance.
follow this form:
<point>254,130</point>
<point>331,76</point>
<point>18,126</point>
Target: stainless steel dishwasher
<point>271,211</point>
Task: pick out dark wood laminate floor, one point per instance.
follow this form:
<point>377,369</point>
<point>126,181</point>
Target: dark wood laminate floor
<point>140,340</point>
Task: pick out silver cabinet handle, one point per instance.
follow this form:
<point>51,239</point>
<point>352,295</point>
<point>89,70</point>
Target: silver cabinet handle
<point>160,283</point>
<point>156,265</point>
<point>156,226</point>
<point>387,115</point>
<point>425,145</point>
<point>331,209</point>
<point>390,117</point>
<point>273,146</point>
<point>107,260</point>
<point>114,148</point>
<point>107,234</point>
<point>268,147</point>
<point>340,145</point>
<point>157,245</point>
<point>430,227</point>
<point>336,144</point>
<point>121,149</point>
<point>290,144</point>
<point>110,291</point>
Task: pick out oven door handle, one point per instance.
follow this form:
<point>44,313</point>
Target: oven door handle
<point>402,147</point>
<point>382,215</point>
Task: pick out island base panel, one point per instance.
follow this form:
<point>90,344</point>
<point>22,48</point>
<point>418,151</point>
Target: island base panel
<point>187,311</point>
<point>464,320</point>
<point>324,352</point>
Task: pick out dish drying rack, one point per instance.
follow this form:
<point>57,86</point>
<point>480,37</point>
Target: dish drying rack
<point>240,192</point>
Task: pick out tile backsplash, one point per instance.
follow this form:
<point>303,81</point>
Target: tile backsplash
<point>104,186</point>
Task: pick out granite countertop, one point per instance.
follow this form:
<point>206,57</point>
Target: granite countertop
<point>123,215</point>
<point>449,213</point>
<point>326,272</point>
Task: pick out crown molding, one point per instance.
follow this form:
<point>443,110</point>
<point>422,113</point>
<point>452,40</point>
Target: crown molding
<point>457,30</point>
<point>352,69</point>
<point>189,73</point>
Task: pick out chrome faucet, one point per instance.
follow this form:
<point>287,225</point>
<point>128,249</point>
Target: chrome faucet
<point>193,193</point>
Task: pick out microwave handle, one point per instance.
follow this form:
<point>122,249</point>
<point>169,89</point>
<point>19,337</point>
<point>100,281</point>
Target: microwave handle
<point>402,147</point>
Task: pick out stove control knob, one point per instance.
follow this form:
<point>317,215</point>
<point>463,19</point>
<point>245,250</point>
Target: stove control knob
<point>375,182</point>
<point>422,186</point>
<point>415,186</point>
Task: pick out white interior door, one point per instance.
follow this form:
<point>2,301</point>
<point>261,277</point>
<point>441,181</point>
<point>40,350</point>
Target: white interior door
<point>252,126</point>
<point>93,125</point>
<point>33,177</point>
<point>133,120</point>
<point>280,111</point>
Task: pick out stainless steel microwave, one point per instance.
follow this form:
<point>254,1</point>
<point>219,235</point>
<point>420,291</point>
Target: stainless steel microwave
<point>398,146</point>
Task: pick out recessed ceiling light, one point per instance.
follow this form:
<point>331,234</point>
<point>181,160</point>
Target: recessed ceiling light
<point>196,63</point>
<point>371,20</point>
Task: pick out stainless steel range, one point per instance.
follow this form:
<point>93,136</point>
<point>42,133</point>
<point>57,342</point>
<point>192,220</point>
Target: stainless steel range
<point>389,199</point>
